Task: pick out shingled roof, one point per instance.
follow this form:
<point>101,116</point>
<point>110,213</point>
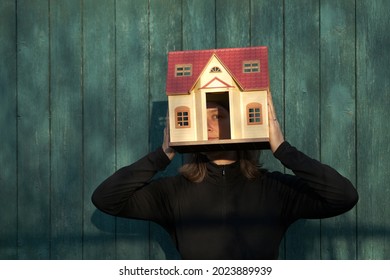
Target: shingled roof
<point>231,58</point>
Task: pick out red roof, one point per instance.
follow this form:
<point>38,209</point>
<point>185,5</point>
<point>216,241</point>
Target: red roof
<point>231,58</point>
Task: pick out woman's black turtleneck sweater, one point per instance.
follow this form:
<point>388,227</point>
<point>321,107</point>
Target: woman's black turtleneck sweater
<point>227,216</point>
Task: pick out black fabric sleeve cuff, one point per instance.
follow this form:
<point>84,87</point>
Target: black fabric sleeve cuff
<point>281,150</point>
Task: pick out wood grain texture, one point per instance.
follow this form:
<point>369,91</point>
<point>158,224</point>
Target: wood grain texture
<point>8,128</point>
<point>99,103</point>
<point>338,134</point>
<point>373,147</point>
<point>302,107</point>
<point>33,130</point>
<point>199,34</point>
<point>232,23</point>
<point>132,112</point>
<point>66,130</point>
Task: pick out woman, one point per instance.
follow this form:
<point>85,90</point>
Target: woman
<point>221,206</point>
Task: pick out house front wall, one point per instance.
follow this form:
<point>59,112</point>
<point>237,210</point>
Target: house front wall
<point>179,134</point>
<point>259,130</point>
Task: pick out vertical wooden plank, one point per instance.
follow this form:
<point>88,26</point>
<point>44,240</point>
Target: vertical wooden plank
<point>132,87</point>
<point>165,35</point>
<point>267,30</point>
<point>33,130</point>
<point>66,130</point>
<point>373,147</point>
<point>302,107</point>
<point>198,25</point>
<point>8,145</point>
<point>232,23</point>
<point>338,235</point>
<point>99,122</point>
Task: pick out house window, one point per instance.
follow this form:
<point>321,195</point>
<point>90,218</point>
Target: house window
<point>215,70</point>
<point>252,66</point>
<point>182,114</point>
<point>254,114</point>
<point>183,70</point>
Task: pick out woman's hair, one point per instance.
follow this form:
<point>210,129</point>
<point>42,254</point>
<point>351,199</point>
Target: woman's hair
<point>195,170</point>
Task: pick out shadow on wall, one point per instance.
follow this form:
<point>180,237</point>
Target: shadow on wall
<point>158,122</point>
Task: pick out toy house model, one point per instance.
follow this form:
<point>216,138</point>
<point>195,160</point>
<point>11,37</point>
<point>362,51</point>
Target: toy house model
<point>235,77</point>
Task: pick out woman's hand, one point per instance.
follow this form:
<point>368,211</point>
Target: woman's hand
<point>275,133</point>
<point>165,146</point>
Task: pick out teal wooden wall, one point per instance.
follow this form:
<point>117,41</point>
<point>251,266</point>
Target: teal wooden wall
<point>82,94</point>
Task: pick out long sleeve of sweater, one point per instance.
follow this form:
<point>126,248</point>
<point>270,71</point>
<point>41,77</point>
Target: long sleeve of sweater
<point>319,190</point>
<point>115,195</point>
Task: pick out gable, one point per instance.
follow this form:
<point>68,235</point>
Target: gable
<point>215,75</point>
<point>232,59</point>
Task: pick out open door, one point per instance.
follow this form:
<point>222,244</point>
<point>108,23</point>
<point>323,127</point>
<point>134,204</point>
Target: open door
<point>222,99</point>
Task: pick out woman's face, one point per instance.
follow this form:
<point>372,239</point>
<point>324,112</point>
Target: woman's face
<point>218,121</point>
